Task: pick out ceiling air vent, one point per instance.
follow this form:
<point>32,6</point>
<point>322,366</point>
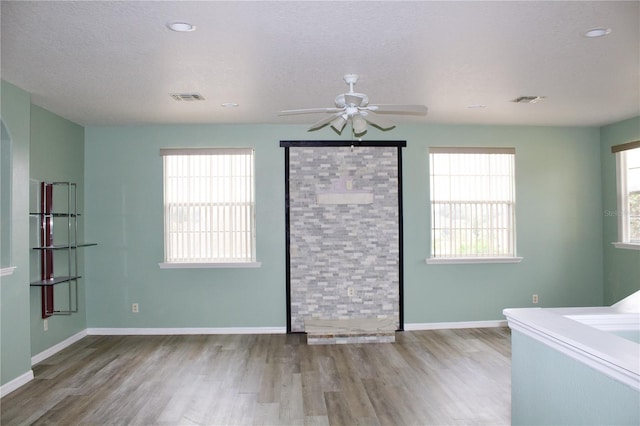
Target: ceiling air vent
<point>528,99</point>
<point>187,96</point>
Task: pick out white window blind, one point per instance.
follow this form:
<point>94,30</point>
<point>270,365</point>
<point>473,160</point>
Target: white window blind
<point>209,205</point>
<point>628,180</point>
<point>472,202</point>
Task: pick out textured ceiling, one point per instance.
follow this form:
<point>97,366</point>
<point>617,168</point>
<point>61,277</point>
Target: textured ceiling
<point>115,63</point>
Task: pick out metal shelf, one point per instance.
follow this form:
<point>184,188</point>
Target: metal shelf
<point>64,247</point>
<point>62,213</point>
<point>55,214</point>
<point>53,281</point>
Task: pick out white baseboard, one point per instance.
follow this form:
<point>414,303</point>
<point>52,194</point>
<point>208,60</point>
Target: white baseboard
<point>57,347</point>
<point>183,331</point>
<point>272,330</point>
<point>450,325</point>
<point>14,384</point>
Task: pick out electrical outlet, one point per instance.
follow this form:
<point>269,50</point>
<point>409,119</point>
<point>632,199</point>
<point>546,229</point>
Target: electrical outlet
<point>534,299</point>
<point>134,308</point>
<point>45,324</point>
<point>351,292</point>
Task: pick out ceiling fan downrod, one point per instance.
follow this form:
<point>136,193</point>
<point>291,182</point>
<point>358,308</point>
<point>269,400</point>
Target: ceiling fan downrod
<point>351,79</point>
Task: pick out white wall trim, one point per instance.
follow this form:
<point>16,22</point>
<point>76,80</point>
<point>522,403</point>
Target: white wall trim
<point>14,384</point>
<point>57,347</point>
<point>628,246</point>
<point>610,322</point>
<point>463,260</point>
<point>183,331</point>
<point>273,330</point>
<point>604,352</point>
<point>236,265</point>
<point>450,325</point>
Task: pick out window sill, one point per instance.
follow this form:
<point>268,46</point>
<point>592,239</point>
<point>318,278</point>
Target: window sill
<point>462,260</point>
<point>237,265</point>
<point>7,271</point>
<point>627,246</point>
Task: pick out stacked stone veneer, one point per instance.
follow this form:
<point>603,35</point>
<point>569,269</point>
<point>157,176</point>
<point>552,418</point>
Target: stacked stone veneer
<point>334,247</point>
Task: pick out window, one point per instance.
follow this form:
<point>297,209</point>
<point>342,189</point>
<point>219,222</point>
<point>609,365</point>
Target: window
<point>628,181</point>
<point>472,205</point>
<point>209,207</point>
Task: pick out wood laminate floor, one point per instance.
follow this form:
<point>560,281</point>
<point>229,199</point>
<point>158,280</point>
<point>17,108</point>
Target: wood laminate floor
<point>439,377</point>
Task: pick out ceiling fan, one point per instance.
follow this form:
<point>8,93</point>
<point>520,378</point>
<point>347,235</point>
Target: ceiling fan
<point>355,108</point>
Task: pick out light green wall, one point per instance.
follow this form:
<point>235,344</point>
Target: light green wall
<point>549,388</point>
<point>621,267</point>
<point>15,345</point>
<point>558,225</point>
<point>559,228</point>
<point>124,216</point>
<point>57,155</point>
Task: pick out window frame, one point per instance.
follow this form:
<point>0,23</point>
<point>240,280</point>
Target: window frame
<point>622,196</point>
<point>210,263</point>
<point>474,259</point>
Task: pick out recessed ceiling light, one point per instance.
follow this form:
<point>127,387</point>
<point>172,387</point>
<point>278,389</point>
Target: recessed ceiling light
<point>229,105</point>
<point>597,32</point>
<point>181,27</point>
<point>476,106</point>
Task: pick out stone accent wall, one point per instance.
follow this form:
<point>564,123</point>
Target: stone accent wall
<point>347,239</point>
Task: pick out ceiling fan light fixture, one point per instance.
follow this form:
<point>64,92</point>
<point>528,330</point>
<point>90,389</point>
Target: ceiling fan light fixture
<point>338,123</point>
<point>359,124</point>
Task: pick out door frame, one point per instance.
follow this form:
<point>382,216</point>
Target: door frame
<point>286,144</point>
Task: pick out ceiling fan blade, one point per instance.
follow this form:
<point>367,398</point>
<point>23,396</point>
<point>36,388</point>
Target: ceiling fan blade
<point>379,122</point>
<point>325,121</point>
<point>309,111</point>
<point>398,109</point>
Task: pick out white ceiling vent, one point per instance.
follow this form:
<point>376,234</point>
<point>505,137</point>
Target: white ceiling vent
<point>187,96</point>
<point>528,99</point>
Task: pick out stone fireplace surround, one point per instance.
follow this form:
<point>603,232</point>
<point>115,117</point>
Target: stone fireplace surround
<point>343,240</point>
